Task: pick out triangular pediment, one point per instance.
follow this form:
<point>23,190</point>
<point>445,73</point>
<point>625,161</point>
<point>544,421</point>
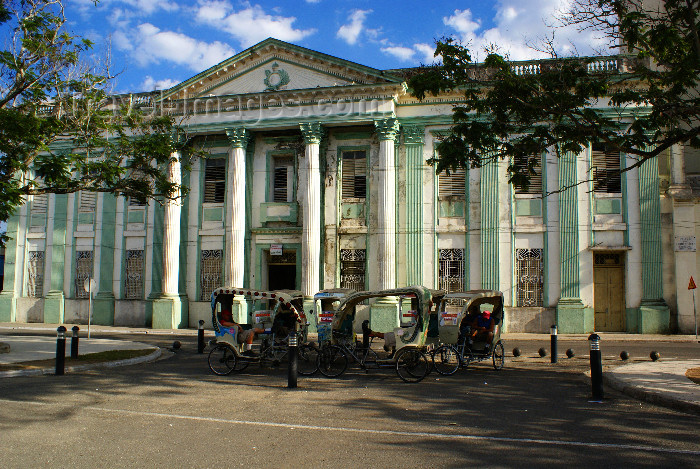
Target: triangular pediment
<point>274,65</point>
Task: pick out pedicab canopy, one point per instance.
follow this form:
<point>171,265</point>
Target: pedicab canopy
<point>280,300</point>
<point>457,307</point>
<point>421,298</point>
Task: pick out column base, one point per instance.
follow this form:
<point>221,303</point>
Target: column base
<point>54,307</point>
<point>311,312</point>
<point>239,309</point>
<point>8,306</point>
<point>103,309</point>
<point>384,315</point>
<point>169,312</point>
<point>654,317</point>
<point>574,318</point>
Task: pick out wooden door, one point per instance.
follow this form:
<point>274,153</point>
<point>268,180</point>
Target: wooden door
<point>609,293</point>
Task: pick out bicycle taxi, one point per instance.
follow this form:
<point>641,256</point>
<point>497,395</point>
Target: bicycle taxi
<point>409,360</point>
<point>461,343</point>
<point>276,316</point>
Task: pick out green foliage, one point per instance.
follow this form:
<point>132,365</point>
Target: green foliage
<point>640,104</point>
<point>61,130</point>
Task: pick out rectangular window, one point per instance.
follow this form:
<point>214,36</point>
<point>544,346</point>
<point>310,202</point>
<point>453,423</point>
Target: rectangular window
<point>134,202</point>
<point>535,186</point>
<point>215,180</point>
<point>35,273</point>
<point>605,165</point>
<point>451,270</point>
<point>529,268</point>
<point>282,175</point>
<point>354,170</point>
<point>133,289</point>
<point>83,271</point>
<point>452,185</point>
<point>210,267</point>
<point>352,268</point>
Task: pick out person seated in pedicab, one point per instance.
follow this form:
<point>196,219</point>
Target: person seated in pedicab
<point>482,328</point>
<point>283,324</point>
<point>244,336</point>
<point>389,337</point>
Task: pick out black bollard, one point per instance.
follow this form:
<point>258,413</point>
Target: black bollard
<point>60,350</point>
<point>74,342</point>
<point>293,361</point>
<point>596,369</point>
<point>553,331</point>
<point>200,337</point>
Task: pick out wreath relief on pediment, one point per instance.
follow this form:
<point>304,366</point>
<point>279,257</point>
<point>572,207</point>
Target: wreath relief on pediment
<point>276,78</point>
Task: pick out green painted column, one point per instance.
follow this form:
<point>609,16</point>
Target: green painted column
<point>54,303</point>
<point>103,305</point>
<point>571,317</point>
<point>8,296</point>
<point>654,314</point>
<point>414,140</point>
<point>489,226</point>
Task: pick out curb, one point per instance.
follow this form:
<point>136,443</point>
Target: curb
<point>650,396</point>
<point>153,356</point>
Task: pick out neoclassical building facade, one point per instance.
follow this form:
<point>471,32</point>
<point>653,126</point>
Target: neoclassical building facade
<point>316,177</point>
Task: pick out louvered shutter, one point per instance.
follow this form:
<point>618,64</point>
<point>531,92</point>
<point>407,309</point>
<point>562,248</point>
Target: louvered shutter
<point>535,186</point>
<point>354,170</point>
<point>605,164</point>
<point>215,180</point>
<point>39,204</point>
<point>88,202</point>
<point>452,185</point>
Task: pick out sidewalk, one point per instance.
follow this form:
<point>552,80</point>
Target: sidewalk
<point>662,382</point>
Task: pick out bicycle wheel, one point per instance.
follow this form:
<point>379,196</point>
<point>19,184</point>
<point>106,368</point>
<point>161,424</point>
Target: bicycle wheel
<point>411,364</point>
<point>446,360</point>
<point>499,355</point>
<point>222,360</point>
<point>332,361</point>
<point>307,363</point>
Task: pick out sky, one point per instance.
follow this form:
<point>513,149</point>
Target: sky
<point>155,44</point>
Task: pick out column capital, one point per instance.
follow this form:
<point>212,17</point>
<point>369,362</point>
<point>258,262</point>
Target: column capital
<point>413,134</point>
<point>238,137</point>
<point>387,128</point>
<point>312,132</point>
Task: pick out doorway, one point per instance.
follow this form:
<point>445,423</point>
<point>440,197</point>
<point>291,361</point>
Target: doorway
<point>609,292</point>
<point>282,271</point>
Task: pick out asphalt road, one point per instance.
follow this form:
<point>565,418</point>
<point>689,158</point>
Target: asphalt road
<point>175,413</point>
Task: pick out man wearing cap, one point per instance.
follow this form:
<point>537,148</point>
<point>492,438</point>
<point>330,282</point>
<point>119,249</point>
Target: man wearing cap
<point>482,328</point>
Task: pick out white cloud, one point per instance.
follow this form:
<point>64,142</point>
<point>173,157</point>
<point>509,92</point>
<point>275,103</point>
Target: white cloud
<point>250,24</point>
<point>427,51</point>
<point>408,54</point>
<point>518,23</point>
<point>150,84</point>
<point>405,54</point>
<point>351,32</point>
<point>149,45</point>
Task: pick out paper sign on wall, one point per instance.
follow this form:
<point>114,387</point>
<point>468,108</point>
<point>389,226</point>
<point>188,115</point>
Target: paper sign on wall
<point>685,243</point>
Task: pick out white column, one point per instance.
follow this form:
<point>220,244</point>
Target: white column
<point>171,236</point>
<point>311,231</point>
<point>505,235</point>
<point>386,203</point>
<point>235,205</point>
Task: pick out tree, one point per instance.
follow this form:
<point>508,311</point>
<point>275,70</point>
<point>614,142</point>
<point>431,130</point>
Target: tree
<point>515,110</point>
<point>61,130</point>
